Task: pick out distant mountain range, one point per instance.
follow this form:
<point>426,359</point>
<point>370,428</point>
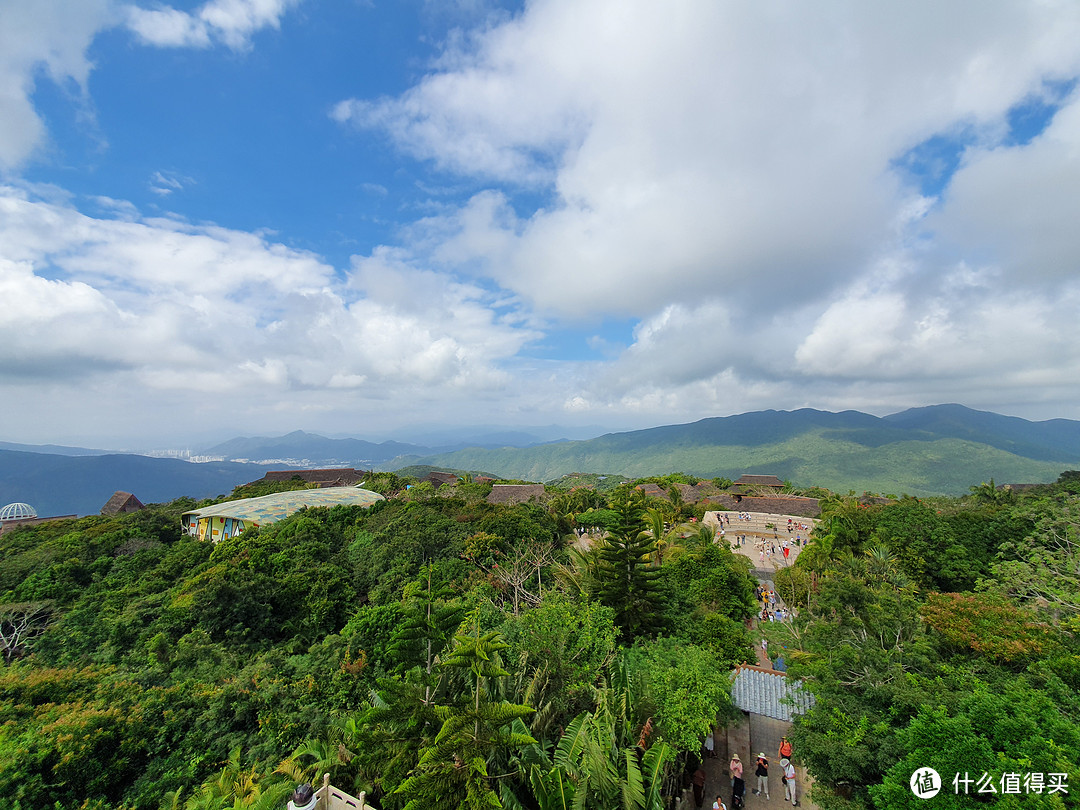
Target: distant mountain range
<point>941,449</point>
<point>313,450</point>
<point>53,449</point>
<point>310,449</point>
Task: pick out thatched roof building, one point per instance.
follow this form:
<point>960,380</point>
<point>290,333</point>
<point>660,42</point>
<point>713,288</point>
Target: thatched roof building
<point>121,502</point>
<point>333,477</point>
<point>770,505</point>
<point>516,493</point>
<point>756,483</point>
<point>437,479</point>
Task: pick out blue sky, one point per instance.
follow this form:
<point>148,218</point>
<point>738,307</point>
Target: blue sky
<point>253,216</point>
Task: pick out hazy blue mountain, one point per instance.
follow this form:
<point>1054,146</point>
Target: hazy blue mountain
<point>318,450</point>
<point>315,450</point>
<point>54,449</point>
<point>62,485</point>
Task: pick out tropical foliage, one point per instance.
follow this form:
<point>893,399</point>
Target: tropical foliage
<point>942,634</point>
<point>441,651</point>
<point>431,651</point>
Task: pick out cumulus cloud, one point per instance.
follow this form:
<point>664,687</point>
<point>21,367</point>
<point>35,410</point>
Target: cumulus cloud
<point>1017,205</point>
<point>51,38</point>
<point>708,144</point>
<point>206,311</point>
<point>740,181</point>
<point>231,22</point>
<point>731,177</point>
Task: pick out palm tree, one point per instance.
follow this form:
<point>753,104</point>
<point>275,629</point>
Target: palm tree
<point>579,576</point>
<point>325,755</point>
<point>882,566</point>
<point>676,498</point>
<point>601,760</point>
<point>667,540</point>
<point>841,518</point>
<point>703,537</point>
<point>234,788</point>
<point>988,492</point>
<point>820,554</point>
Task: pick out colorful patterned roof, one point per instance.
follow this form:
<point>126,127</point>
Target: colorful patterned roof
<point>279,505</point>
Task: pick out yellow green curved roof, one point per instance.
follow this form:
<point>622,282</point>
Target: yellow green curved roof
<point>279,505</point>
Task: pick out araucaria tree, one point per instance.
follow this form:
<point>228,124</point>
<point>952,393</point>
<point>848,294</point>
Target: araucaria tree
<point>628,580</point>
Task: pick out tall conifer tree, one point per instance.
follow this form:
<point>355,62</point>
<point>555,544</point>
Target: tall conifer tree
<point>628,579</point>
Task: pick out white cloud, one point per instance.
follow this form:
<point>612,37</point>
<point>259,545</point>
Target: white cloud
<point>165,183</point>
<point>706,145</point>
<point>724,173</point>
<point>231,22</point>
<point>721,173</point>
<point>1018,205</point>
<point>50,36</point>
<point>160,305</point>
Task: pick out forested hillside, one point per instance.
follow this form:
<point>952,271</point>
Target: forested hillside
<point>937,450</point>
<point>436,649</point>
<point>941,634</point>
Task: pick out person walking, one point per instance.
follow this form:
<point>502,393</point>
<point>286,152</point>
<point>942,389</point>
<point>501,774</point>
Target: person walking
<point>762,774</point>
<point>785,748</point>
<point>698,781</point>
<point>738,786</point>
<point>789,781</point>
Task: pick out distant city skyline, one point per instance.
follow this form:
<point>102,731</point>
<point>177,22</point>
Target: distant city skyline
<point>248,217</point>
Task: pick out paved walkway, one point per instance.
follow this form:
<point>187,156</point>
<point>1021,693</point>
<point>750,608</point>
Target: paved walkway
<point>755,733</point>
<point>763,545</point>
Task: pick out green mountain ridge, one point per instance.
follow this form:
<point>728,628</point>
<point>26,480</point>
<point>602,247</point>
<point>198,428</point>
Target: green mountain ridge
<point>840,451</point>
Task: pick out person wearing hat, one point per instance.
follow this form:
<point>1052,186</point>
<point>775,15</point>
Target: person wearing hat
<point>738,786</point>
<point>303,798</point>
<point>762,774</point>
<point>789,780</point>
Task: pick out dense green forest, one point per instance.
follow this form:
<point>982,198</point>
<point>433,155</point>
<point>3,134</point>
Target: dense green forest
<point>438,651</point>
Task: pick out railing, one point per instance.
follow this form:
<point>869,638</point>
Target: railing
<point>329,797</point>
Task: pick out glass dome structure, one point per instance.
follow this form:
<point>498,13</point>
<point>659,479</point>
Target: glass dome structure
<point>17,511</point>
